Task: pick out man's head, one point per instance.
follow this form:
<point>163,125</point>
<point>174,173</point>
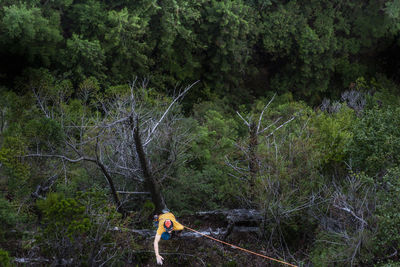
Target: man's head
<point>168,225</point>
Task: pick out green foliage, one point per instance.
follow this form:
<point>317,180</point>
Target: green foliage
<point>333,134</point>
<point>13,220</point>
<point>345,236</point>
<point>316,41</point>
<point>38,79</point>
<point>145,215</point>
<point>376,140</point>
<point>323,253</point>
<point>65,215</point>
<point>26,31</point>
<point>205,181</point>
<point>44,133</point>
<point>15,169</point>
<point>87,18</point>
<point>384,92</point>
<point>74,227</point>
<point>75,109</point>
<point>148,207</point>
<point>88,91</point>
<point>389,264</point>
<point>62,61</point>
<point>217,133</point>
<point>287,170</point>
<point>8,218</point>
<point>229,52</point>
<point>387,239</point>
<point>5,259</point>
<point>349,71</point>
<point>332,248</point>
<point>84,58</point>
<point>304,48</point>
<point>125,42</point>
<point>78,179</point>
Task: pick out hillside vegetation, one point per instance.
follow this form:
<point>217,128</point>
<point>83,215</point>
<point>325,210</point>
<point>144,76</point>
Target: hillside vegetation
<point>111,111</point>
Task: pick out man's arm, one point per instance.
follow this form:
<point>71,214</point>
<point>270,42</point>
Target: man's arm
<point>178,226</point>
<point>158,257</point>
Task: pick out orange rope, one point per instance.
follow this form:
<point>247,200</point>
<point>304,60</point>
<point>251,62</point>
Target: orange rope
<point>233,246</point>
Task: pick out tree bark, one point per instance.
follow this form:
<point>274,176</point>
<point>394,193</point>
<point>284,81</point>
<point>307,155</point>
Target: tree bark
<point>150,182</point>
<point>235,215</point>
<point>147,233</point>
<point>2,121</point>
<point>93,160</point>
<point>42,189</point>
<point>253,162</point>
<point>103,169</point>
<point>106,174</point>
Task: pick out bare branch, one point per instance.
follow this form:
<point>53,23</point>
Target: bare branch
<point>269,126</point>
<point>43,188</point>
<point>73,148</point>
<point>280,126</point>
<point>42,107</point>
<point>133,176</point>
<point>245,122</point>
<point>133,193</point>
<point>60,157</point>
<point>346,209</point>
<point>262,113</point>
<point>166,112</point>
<point>116,122</point>
<point>133,102</point>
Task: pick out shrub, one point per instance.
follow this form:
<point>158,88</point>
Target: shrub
<point>75,228</point>
<point>387,239</point>
<point>375,146</point>
<point>8,218</point>
<point>5,259</point>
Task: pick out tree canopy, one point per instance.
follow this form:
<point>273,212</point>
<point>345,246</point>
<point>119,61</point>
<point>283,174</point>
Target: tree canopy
<point>284,111</point>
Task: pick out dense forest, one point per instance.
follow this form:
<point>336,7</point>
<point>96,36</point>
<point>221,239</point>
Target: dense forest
<point>113,110</point>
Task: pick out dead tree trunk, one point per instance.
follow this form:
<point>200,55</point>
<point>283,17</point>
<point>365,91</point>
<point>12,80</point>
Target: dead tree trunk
<point>253,162</point>
<point>114,192</point>
<point>96,161</point>
<point>150,182</point>
<point>43,188</point>
<point>2,121</point>
<point>109,179</point>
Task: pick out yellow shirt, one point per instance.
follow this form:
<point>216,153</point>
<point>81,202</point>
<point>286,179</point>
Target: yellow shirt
<point>161,219</point>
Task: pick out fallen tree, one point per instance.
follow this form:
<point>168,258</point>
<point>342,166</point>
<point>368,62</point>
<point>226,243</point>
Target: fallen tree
<point>236,220</point>
<point>234,216</point>
<point>148,233</point>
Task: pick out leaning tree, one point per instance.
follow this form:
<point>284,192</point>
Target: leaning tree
<point>125,134</point>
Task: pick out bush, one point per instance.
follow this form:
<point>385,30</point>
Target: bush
<point>333,133</point>
<point>63,215</point>
<point>376,140</point>
<point>8,218</point>
<point>387,239</point>
<point>204,183</point>
<point>5,260</point>
<point>78,228</point>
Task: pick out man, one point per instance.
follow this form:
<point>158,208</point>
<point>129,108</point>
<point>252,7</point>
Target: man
<point>166,224</point>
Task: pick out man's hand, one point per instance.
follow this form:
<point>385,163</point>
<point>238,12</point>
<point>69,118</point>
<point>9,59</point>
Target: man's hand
<point>159,259</point>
